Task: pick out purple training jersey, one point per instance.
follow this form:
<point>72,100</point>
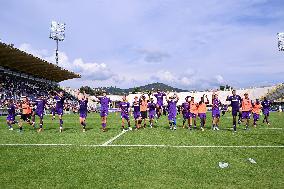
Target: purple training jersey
<point>266,107</point>
<point>235,102</point>
<point>160,98</point>
<point>104,101</point>
<point>152,108</point>
<point>124,106</point>
<point>83,106</point>
<point>59,102</point>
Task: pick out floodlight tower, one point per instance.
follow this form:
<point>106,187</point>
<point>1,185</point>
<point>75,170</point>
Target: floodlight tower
<point>280,41</point>
<point>57,33</point>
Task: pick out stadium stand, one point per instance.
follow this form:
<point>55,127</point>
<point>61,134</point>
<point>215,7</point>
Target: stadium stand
<point>22,74</point>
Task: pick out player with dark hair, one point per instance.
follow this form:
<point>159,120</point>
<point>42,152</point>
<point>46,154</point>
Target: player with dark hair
<point>172,110</point>
<point>265,109</point>
<point>11,108</point>
<point>193,113</point>
<point>256,108</point>
<point>60,99</point>
<point>124,106</point>
<point>26,113</point>
<point>236,101</point>
<point>39,105</point>
<point>246,109</point>
<point>104,101</point>
<point>202,109</point>
<point>160,101</point>
<point>216,104</point>
<point>152,111</point>
<point>136,112</point>
<point>83,109</point>
<point>185,111</point>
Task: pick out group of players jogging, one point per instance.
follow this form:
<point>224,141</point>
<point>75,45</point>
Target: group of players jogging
<point>144,109</point>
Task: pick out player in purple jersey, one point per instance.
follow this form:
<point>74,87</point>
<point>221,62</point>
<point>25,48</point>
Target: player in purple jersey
<point>172,110</point>
<point>136,112</point>
<point>185,111</point>
<point>39,105</point>
<point>160,101</point>
<point>11,108</point>
<point>236,101</point>
<point>152,111</point>
<point>59,107</point>
<point>265,109</point>
<point>104,101</point>
<point>216,103</point>
<point>83,108</point>
<point>124,106</point>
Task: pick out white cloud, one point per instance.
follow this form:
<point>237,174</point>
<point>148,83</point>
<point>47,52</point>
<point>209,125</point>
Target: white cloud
<point>88,70</point>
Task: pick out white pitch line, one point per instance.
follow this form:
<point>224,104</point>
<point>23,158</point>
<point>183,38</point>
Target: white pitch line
<point>273,128</point>
<point>142,145</point>
<point>114,138</point>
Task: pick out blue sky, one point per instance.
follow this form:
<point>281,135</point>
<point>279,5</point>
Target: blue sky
<point>126,43</point>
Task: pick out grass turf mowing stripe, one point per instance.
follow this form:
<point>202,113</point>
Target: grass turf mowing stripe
<point>141,145</point>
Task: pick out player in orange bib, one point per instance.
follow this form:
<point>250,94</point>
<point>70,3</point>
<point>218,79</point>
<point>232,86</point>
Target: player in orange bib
<point>246,107</point>
<point>256,108</point>
<point>193,112</point>
<point>202,109</point>
<point>26,113</point>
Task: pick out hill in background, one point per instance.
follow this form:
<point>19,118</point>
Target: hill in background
<point>119,91</point>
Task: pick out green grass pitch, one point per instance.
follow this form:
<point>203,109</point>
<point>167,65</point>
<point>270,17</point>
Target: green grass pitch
<point>78,166</point>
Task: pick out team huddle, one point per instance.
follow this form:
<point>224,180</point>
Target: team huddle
<point>143,110</point>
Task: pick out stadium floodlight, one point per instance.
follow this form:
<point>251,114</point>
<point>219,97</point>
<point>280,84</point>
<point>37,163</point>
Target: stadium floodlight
<point>280,41</point>
<point>57,33</point>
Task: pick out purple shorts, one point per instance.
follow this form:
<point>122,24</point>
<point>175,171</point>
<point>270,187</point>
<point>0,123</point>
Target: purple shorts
<point>83,114</point>
<point>235,112</point>
<point>39,114</point>
<point>104,113</point>
<point>265,111</point>
<point>59,111</point>
<point>136,115</point>
<point>125,116</point>
<point>185,115</point>
<point>159,104</point>
<point>202,115</point>
<point>246,115</point>
<point>193,115</point>
<point>152,114</point>
<point>10,118</point>
<point>171,116</point>
<point>256,116</point>
<point>216,113</point>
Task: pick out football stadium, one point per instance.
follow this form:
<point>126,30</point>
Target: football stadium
<point>64,125</point>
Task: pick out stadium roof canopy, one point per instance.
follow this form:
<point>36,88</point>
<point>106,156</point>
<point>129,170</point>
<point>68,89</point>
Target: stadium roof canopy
<point>20,61</point>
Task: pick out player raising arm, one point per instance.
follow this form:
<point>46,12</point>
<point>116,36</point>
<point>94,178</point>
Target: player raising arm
<point>136,112</point>
<point>124,106</point>
<point>26,113</point>
<point>202,109</point>
<point>216,104</point>
<point>160,101</point>
<point>185,111</point>
<point>104,101</point>
<point>39,105</point>
<point>246,108</point>
<point>83,108</point>
<point>172,110</point>
<point>235,104</point>
<point>193,112</point>
<point>60,99</point>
